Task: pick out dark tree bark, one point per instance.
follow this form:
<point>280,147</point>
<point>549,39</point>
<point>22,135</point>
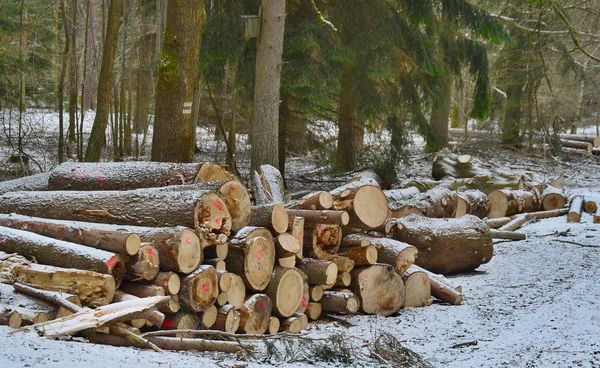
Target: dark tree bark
<point>98,134</point>
<point>177,81</point>
<point>72,26</point>
<point>438,122</point>
<point>265,127</point>
<point>512,114</point>
<point>350,134</point>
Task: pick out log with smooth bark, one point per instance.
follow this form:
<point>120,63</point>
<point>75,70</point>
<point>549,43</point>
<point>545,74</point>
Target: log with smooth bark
<point>417,288</point>
<point>339,302</point>
<point>228,319</point>
<point>587,147</point>
<point>362,256</point>
<point>472,202</point>
<point>199,289</point>
<point>285,290</point>
<point>498,222</point>
<point>142,207</point>
<point>28,183</point>
<point>252,256</point>
<point>84,233</point>
<point>365,203</point>
<point>446,245</point>
<point>131,175</point>
<point>319,272</point>
<point>92,288</point>
<point>553,198</point>
<point>314,310</point>
<point>575,209</point>
<point>517,221</point>
<point>379,288</point>
<point>442,288</point>
<point>593,139</point>
<point>145,265</point>
<point>506,202</point>
<point>255,314</point>
<point>272,216</point>
<point>389,251</point>
<point>60,253</point>
<point>328,217</point>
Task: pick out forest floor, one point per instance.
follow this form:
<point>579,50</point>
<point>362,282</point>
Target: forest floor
<point>535,304</point>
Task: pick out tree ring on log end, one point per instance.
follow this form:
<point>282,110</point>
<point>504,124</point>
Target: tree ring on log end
<point>371,206</point>
<point>279,219</point>
<point>189,253</point>
<point>326,200</point>
<point>204,287</point>
<point>289,292</point>
<point>260,259</point>
<point>133,244</point>
<point>211,212</point>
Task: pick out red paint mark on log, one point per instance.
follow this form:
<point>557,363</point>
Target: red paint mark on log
<point>169,323</point>
<point>218,221</point>
<point>258,257</point>
<point>206,287</point>
<point>320,228</point>
<point>261,305</point>
<point>303,302</point>
<point>300,234</point>
<point>112,262</point>
<point>218,205</point>
<point>151,252</point>
<point>188,241</point>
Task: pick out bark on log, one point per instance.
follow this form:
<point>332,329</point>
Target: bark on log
<point>84,233</point>
<point>319,272</point>
<point>271,216</point>
<point>417,288</point>
<point>447,245</point>
<point>169,281</point>
<point>291,325</point>
<point>287,262</point>
<point>597,217</point>
<point>362,256</point>
<point>314,311</point>
<point>594,140</point>
<point>484,183</point>
<point>588,147</point>
<point>590,206</point>
<point>343,280</point>
<point>28,183</point>
<point>23,296</point>
<point>438,202</point>
<point>519,220</point>
<point>344,264</point>
<point>296,229</point>
<point>365,203</point>
<point>142,207</point>
<point>441,288</point>
<point>199,289</point>
<point>389,251</point>
<point>237,291</point>
<point>272,182</point>
<point>316,201</point>
<point>315,292</point>
<point>145,265</point>
<point>92,288</point>
<point>258,191</point>
<point>510,235</point>
<point>472,202</point>
<point>274,325</point>
<point>255,314</point>
<point>171,306</point>
<point>322,216</point>
<point>552,198</point>
<point>305,293</point>
<point>498,222</point>
<point>575,208</point>
<point>285,290</point>
<point>61,253</point>
<point>286,245</point>
<point>10,317</point>
<point>181,321</point>
<point>174,343</point>
<point>379,288</point>
<point>446,164</point>
<point>252,256</point>
<point>228,319</point>
<point>401,195</point>
<point>506,202</point>
<point>339,302</point>
<point>220,251</point>
<point>142,290</point>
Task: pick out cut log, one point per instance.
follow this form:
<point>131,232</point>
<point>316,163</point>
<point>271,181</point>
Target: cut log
<point>343,280</point>
<point>199,289</point>
<point>22,296</point>
<point>316,293</point>
<point>417,288</point>
<point>362,256</point>
<point>228,319</point>
<point>224,280</point>
<point>472,202</point>
<point>446,164</point>
<point>100,316</point>
<point>255,314</point>
<point>314,311</point>
<point>552,198</point>
<point>131,175</point>
<point>252,256</point>
<point>286,245</point>
<point>84,233</point>
<point>92,288</point>
<point>519,220</point>
<point>401,195</point>
<point>437,202</point>
<point>590,206</point>
<point>344,264</point>
<point>498,222</point>
<point>588,147</point>
<point>506,202</point>
<point>447,245</point>
<point>296,229</point>
<point>442,288</point>
<point>258,191</point>
<point>379,288</point>
<point>145,265</point>
<point>291,325</point>
<point>285,291</point>
<point>328,217</point>
<point>208,317</point>
<point>181,321</point>
<point>272,216</point>
<point>171,306</point>
<point>220,251</point>
<point>178,344</point>
<point>365,203</point>
<point>142,207</point>
<point>389,251</point>
<point>319,272</point>
<point>217,263</point>
<point>274,325</point>
<point>142,290</point>
<point>510,235</point>
<point>10,317</point>
<point>594,140</point>
<point>272,182</point>
<point>305,293</point>
<point>222,299</point>
<point>597,217</point>
<point>28,183</point>
<point>287,262</point>
<point>316,201</point>
<point>237,291</point>
<point>60,253</point>
<point>339,302</point>
<point>575,208</point>
<point>31,317</point>
<point>155,317</point>
<point>169,281</point>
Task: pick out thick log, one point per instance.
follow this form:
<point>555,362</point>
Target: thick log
<point>389,251</point>
<point>588,147</point>
<point>169,281</point>
<point>442,288</point>
<point>61,253</point>
<point>28,183</point>
<point>142,207</point>
<point>84,233</point>
<point>252,256</point>
<point>199,289</point>
<point>339,302</point>
<point>594,140</point>
<point>401,195</point>
<point>438,202</point>
<point>553,198</point>
<point>272,216</point>
<point>92,288</point>
<point>365,203</point>
<point>316,201</point>
<point>417,288</point>
<point>145,265</point>
<point>286,245</point>
<point>314,310</point>
<point>575,208</point>
<point>131,175</point>
<point>510,235</point>
<point>274,325</point>
<point>590,206</point>
<point>447,245</point>
<point>379,288</point>
<point>154,316</point>
<point>472,202</point>
<point>319,272</point>
<point>328,217</point>
<point>255,314</point>
<point>509,202</point>
<point>181,321</point>
<point>228,319</point>
<point>285,291</point>
<point>362,256</point>
<point>272,182</point>
<point>237,291</point>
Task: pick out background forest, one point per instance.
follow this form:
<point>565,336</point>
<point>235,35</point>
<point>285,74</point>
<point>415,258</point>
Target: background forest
<point>392,70</point>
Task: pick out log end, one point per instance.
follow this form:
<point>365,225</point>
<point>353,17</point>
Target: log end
<point>370,206</point>
<point>189,251</point>
<point>279,219</point>
<point>132,244</point>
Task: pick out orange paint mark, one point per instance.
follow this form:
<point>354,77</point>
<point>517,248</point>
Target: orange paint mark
<point>259,258</point>
<point>112,262</point>
<point>218,205</point>
<point>206,287</point>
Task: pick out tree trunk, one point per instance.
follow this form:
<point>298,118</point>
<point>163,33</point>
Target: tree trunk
<point>265,121</point>
<point>439,113</point>
<point>98,134</point>
<point>350,129</point>
<point>177,76</point>
<point>28,183</point>
<point>73,72</point>
<point>512,115</point>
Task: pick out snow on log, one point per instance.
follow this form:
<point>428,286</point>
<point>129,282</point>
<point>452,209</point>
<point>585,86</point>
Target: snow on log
<point>272,182</point>
<point>553,198</point>
<point>28,183</point>
<point>437,202</point>
<point>365,203</point>
<point>472,202</point>
<point>506,202</point>
<point>417,288</point>
<point>442,288</point>
<point>575,209</point>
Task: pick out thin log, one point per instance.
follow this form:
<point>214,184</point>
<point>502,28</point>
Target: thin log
<point>169,281</point>
<point>272,216</point>
<point>237,291</point>
<point>328,217</point>
<point>145,265</point>
<point>510,235</point>
<point>228,319</point>
<point>442,288</point>
<point>362,256</point>
<point>498,222</point>
<point>319,272</point>
<point>316,201</point>
<point>575,208</point>
<point>178,344</point>
<point>588,147</point>
<point>339,302</point>
<point>286,245</point>
<point>154,316</point>
<point>274,325</point>
<point>10,317</point>
<point>296,229</point>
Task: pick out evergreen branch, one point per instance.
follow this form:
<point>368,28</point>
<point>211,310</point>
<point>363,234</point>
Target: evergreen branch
<point>320,17</point>
<point>572,31</point>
